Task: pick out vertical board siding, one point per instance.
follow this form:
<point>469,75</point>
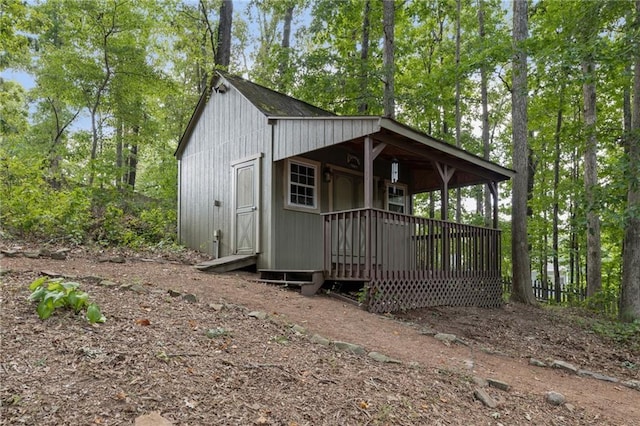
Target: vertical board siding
<point>294,137</point>
<point>229,128</point>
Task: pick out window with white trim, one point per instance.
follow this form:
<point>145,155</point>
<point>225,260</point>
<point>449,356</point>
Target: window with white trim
<point>396,200</point>
<point>302,184</point>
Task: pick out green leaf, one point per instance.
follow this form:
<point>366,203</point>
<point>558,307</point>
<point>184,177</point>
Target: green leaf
<point>38,294</point>
<point>37,283</point>
<point>45,309</point>
<point>94,314</point>
<point>77,300</point>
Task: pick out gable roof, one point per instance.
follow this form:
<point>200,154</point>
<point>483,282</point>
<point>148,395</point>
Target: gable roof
<point>272,103</point>
<point>269,102</point>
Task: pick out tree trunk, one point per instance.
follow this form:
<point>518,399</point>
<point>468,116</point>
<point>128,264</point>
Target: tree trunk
<point>388,17</point>
<point>457,106</point>
<point>522,289</point>
<point>630,297</point>
<point>363,107</point>
<point>223,50</point>
<point>556,197</point>
<point>594,262</point>
<point>284,64</point>
<point>484,96</point>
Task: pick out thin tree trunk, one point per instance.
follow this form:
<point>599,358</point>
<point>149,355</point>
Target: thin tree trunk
<point>284,64</point>
<point>486,146</point>
<point>457,102</point>
<point>594,262</point>
<point>556,197</point>
<point>363,107</point>
<point>388,16</point>
<point>630,297</point>
<point>223,50</point>
<point>522,289</point>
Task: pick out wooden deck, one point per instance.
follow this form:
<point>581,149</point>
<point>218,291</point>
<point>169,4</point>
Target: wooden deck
<point>411,262</point>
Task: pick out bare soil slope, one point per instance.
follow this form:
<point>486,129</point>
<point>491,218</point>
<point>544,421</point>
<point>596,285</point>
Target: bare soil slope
<point>153,354</point>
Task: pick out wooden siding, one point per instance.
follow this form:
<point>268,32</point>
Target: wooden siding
<point>229,129</point>
<point>298,136</point>
<point>297,235</point>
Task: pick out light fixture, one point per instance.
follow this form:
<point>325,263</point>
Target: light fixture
<point>394,170</point>
<point>326,174</point>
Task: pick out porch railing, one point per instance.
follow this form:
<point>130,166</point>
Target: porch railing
<point>372,244</point>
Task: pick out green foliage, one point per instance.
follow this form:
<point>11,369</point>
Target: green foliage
<point>52,294</point>
<point>621,332</point>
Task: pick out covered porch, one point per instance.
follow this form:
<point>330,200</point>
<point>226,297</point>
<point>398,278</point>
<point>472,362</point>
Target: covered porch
<point>405,261</point>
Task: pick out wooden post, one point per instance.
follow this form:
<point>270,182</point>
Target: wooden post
<point>368,201</point>
<point>446,173</point>
<point>493,187</point>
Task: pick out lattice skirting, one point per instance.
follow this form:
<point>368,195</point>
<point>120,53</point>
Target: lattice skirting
<point>402,294</point>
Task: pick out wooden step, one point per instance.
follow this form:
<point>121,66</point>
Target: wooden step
<point>309,281</point>
<point>227,263</point>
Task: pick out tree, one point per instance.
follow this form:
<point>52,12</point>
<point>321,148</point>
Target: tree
<point>223,42</point>
<point>522,289</point>
<point>630,295</point>
<point>388,63</point>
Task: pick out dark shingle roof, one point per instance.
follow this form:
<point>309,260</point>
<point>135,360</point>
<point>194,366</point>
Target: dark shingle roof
<point>272,103</point>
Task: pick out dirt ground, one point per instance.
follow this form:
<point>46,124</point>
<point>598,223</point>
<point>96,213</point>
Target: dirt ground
<point>153,355</point>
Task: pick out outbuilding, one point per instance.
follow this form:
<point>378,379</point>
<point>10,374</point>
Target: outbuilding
<point>309,196</point>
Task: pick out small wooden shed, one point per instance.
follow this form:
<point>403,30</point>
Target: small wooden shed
<point>270,180</point>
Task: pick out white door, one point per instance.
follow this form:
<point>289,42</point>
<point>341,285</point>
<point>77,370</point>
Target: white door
<point>246,199</point>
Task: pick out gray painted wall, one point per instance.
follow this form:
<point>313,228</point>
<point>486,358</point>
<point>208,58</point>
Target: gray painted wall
<point>230,128</point>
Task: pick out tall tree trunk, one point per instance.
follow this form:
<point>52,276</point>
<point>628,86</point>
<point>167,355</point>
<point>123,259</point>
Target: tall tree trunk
<point>630,297</point>
<point>223,50</point>
<point>285,64</point>
<point>363,107</point>
<point>388,24</point>
<point>457,106</point>
<point>484,96</point>
<point>556,197</point>
<point>522,289</point>
<point>594,262</point>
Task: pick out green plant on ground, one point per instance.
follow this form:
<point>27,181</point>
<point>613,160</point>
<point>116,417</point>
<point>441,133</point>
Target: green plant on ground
<point>52,294</point>
<point>621,332</point>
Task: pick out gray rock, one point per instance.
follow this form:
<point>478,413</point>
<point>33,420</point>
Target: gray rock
<point>59,255</point>
<point>632,384</point>
<point>257,314</point>
<point>564,366</point>
<point>191,298</point>
<point>299,329</point>
<point>537,362</point>
<point>214,333</point>
<point>446,337</point>
<point>107,283</point>
<point>484,397</point>
<point>598,376</point>
<point>499,384</point>
<point>51,274</point>
<point>32,254</point>
<point>428,331</point>
<point>11,253</point>
<point>350,347</point>
<point>480,381</point>
<point>216,306</point>
<point>4,272</point>
<point>377,356</point>
<point>137,288</point>
<point>316,338</point>
<point>174,293</point>
<point>555,398</point>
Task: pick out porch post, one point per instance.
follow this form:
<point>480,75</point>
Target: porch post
<point>446,173</point>
<point>368,201</point>
<point>493,187</point>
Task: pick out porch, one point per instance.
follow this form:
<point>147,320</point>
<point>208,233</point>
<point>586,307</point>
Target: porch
<point>408,262</point>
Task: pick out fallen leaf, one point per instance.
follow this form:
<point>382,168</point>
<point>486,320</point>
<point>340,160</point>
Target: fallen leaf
<point>143,322</point>
<point>121,396</point>
<point>262,420</point>
<point>364,405</point>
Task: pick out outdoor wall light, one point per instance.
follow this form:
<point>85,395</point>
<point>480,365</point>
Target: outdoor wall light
<point>394,170</point>
<point>326,174</point>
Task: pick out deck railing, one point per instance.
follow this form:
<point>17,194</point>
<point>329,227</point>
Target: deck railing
<point>368,244</point>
